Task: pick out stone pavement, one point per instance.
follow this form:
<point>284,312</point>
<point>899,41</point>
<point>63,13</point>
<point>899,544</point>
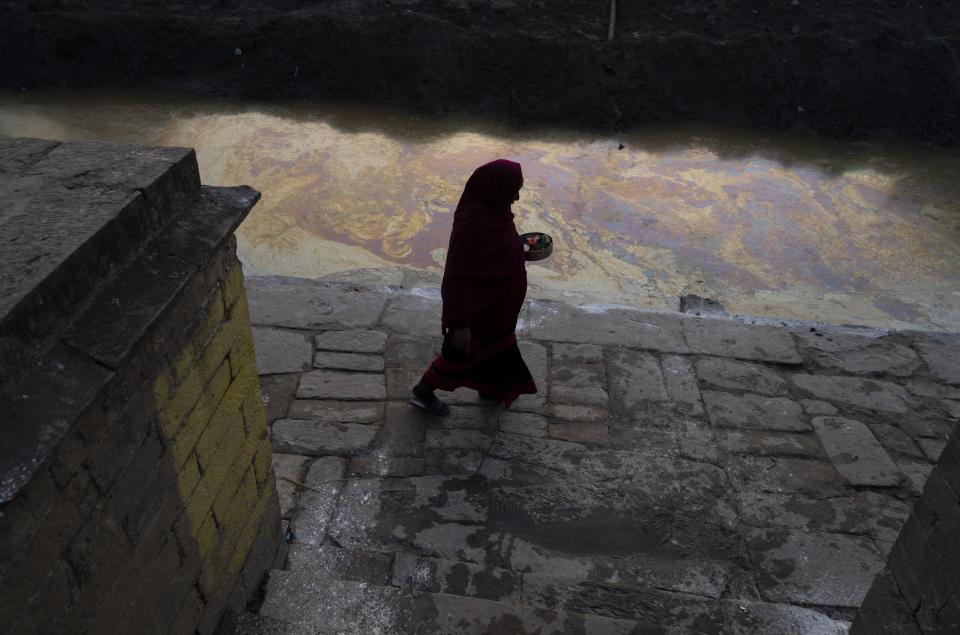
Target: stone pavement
<point>675,473</point>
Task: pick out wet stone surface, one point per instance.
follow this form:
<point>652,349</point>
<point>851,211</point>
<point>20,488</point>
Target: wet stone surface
<point>672,473</point>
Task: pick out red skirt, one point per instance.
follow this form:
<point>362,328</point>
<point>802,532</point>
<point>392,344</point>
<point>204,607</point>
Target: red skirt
<point>494,365</point>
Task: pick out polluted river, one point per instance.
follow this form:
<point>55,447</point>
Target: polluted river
<point>781,226</point>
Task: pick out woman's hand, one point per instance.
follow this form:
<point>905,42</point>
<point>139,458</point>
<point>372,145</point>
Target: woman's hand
<point>461,339</point>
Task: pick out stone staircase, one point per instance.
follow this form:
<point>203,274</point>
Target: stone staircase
<point>674,474</point>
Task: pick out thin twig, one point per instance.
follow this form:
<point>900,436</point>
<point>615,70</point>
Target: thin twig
<point>613,20</point>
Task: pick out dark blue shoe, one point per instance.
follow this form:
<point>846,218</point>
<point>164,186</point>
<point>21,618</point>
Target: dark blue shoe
<point>436,407</point>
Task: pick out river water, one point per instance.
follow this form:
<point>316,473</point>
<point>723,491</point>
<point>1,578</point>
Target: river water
<point>786,226</point>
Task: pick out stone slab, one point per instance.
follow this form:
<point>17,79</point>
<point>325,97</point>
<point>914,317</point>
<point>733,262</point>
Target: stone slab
<point>460,578</point>
<point>329,411</point>
<point>754,412</point>
<point>109,190</point>
<point>277,394</point>
<point>377,465</point>
<point>731,338</point>
<point>403,431</point>
<point>348,361</point>
<point>411,314</point>
<point>733,375</point>
<point>476,616</point>
<point>577,353</point>
<point>872,394</point>
<point>943,361</point>
<point>865,513</point>
<point>815,407</point>
<point>765,443</point>
<point>528,424</point>
<point>314,604</point>
<point>37,410</point>
<point>680,381</point>
<point>317,502</point>
<point>352,341</point>
<point>916,475</point>
<point>457,440</point>
<point>742,617</point>
<point>572,383</point>
<point>325,561</point>
<point>633,377</point>
<point>342,385</point>
<point>604,326</point>
<point>300,303</point>
<point>287,468</point>
<point>279,351</point>
<point>572,412</point>
<point>535,357</point>
<point>855,452</point>
<point>780,475</point>
<point>685,613</point>
<point>313,438</point>
<point>859,354</point>
<point>812,567</point>
<point>584,433</point>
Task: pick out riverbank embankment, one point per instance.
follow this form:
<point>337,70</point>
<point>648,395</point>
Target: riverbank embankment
<point>842,69</point>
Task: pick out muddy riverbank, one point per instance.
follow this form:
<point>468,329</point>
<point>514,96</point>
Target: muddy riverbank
<point>840,67</point>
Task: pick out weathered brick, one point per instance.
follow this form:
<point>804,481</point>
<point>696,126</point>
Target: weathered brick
<point>188,477</point>
<point>911,567</point>
<point>46,610</point>
<point>151,590</point>
<point>16,527</point>
<point>226,498</point>
<point>129,488</point>
<point>206,535</point>
<point>189,614</point>
<point>233,284</point>
<point>71,454</point>
<point>262,462</point>
<point>220,440</point>
<point>99,553</point>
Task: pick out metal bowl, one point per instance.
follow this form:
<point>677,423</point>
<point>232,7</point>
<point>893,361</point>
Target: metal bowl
<point>536,245</point>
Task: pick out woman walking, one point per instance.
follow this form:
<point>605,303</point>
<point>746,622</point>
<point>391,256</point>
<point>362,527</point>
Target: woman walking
<point>484,284</point>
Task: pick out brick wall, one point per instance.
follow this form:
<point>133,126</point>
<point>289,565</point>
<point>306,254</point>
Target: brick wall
<point>919,591</point>
<point>142,498</point>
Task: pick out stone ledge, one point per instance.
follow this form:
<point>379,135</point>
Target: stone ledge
<point>79,210</point>
<point>43,394</point>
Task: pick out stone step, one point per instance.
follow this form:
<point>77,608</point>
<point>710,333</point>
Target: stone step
<point>622,588</point>
<point>301,602</point>
<point>356,565</point>
<point>313,604</point>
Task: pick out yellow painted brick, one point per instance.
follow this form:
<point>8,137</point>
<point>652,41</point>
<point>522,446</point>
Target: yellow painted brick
<point>211,401</point>
<point>232,554</point>
<point>175,409</point>
<point>247,492</point>
<point>207,535</point>
<point>201,501</point>
<point>263,462</point>
<point>187,478</point>
<point>254,416</point>
<point>219,346</point>
<point>233,285</point>
<point>249,534</point>
<point>242,463</point>
<point>242,355</point>
<point>184,363</point>
<point>163,385</point>
<point>220,442</point>
<point>215,313</point>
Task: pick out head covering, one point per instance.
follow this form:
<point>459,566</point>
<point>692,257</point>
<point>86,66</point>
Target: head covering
<point>485,252</point>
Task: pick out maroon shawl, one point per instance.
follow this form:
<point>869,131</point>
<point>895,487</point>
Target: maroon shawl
<point>485,252</point>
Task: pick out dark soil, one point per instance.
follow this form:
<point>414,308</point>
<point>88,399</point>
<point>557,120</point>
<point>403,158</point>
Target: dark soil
<point>845,68</point>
